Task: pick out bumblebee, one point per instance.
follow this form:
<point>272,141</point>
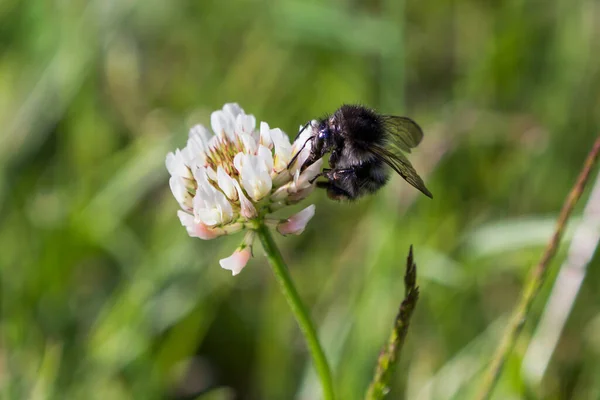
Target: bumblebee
<point>364,147</point>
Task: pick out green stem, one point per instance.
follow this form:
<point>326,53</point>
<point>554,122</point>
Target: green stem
<point>535,281</point>
<point>298,309</point>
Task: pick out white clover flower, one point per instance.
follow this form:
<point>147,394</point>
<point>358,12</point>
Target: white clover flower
<point>233,179</point>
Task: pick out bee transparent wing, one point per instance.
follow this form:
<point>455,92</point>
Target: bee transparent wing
<point>402,166</point>
<point>404,133</point>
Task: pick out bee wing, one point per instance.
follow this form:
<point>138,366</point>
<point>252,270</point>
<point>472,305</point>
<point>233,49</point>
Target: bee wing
<point>404,133</point>
<point>402,166</point>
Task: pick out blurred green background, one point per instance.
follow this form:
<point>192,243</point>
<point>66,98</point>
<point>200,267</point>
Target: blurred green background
<point>103,295</point>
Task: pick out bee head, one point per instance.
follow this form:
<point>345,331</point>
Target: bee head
<point>323,137</point>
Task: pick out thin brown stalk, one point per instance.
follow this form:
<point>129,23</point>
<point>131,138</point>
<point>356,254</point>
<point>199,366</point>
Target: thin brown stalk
<point>390,354</point>
<point>536,279</point>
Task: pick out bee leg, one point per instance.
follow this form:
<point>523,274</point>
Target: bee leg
<point>320,174</point>
<point>334,157</point>
<point>334,174</point>
<point>335,192</point>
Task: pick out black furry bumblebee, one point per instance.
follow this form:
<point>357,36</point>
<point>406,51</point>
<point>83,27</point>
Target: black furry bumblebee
<point>363,146</point>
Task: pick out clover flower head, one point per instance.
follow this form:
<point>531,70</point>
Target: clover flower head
<point>233,178</point>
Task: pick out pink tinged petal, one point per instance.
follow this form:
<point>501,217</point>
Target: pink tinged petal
<point>248,210</point>
<point>237,261</point>
<point>198,230</point>
<point>206,233</point>
<point>296,224</point>
<point>226,184</point>
<point>265,135</point>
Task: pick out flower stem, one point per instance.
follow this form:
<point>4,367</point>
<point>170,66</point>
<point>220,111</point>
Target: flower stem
<point>298,309</point>
<point>536,279</point>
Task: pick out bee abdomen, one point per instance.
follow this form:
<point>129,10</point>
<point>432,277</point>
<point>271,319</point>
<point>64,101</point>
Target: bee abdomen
<point>371,176</point>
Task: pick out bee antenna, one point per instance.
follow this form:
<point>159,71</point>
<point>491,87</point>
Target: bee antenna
<point>302,130</point>
<point>300,151</point>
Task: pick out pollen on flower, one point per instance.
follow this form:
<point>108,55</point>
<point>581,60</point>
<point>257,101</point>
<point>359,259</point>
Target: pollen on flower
<point>221,154</point>
<point>233,178</point>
